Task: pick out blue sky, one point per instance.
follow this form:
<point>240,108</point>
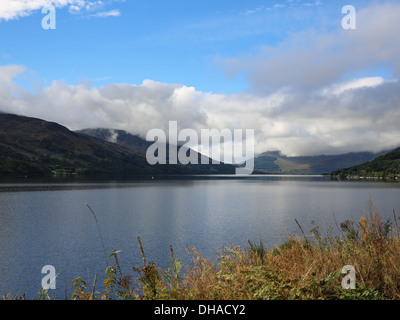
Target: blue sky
<point>171,41</point>
<point>284,68</point>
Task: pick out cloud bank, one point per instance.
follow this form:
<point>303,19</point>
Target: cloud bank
<point>356,116</point>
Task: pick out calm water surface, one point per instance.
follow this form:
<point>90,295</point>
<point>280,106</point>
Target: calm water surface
<point>49,223</point>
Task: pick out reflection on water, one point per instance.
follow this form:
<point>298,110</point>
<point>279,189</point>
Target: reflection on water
<point>48,222</point>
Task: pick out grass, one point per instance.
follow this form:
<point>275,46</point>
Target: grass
<point>304,267</point>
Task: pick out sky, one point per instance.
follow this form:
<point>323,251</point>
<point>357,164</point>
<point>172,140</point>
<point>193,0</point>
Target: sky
<point>287,69</point>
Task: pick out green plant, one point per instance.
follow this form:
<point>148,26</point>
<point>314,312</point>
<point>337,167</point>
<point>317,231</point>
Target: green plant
<point>259,250</point>
<point>149,277</point>
<point>173,270</point>
<point>351,232</point>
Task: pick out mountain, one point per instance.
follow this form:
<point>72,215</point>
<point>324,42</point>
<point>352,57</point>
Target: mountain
<point>386,166</point>
<point>274,162</point>
<point>267,162</point>
<point>31,146</point>
<point>139,145</point>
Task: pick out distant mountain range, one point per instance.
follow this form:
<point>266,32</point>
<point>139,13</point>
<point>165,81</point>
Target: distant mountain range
<point>267,162</point>
<point>30,146</point>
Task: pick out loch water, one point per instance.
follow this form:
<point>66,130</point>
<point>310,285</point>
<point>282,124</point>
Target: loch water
<point>50,223</point>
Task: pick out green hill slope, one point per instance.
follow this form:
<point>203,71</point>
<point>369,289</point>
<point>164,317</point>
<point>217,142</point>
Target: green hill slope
<point>273,162</point>
<point>30,146</point>
<point>386,166</point>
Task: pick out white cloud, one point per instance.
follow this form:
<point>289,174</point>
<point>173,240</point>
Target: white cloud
<point>9,72</point>
<point>355,84</point>
<point>13,9</point>
<point>111,13</point>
